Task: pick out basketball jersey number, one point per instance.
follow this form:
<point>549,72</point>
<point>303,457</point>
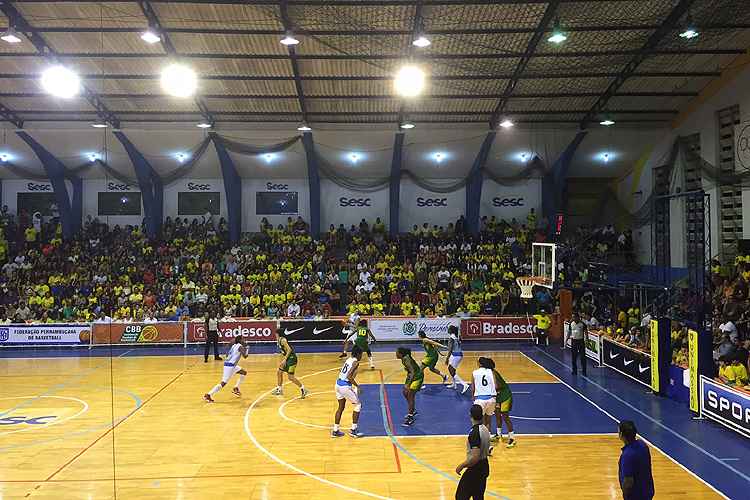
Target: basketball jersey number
<point>345,368</point>
<point>484,380</point>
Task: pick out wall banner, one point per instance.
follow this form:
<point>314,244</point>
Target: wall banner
<point>311,330</point>
<point>407,329</point>
<point>47,334</point>
<point>628,361</point>
<point>725,405</point>
<point>138,333</point>
<point>252,331</point>
<point>511,328</point>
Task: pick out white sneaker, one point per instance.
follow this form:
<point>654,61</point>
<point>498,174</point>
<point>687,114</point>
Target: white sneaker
<point>277,391</point>
<point>466,388</point>
<point>451,386</point>
<point>304,392</point>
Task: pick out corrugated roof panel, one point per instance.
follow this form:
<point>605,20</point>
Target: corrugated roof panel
<point>563,85</point>
<point>166,104</point>
<point>471,105</point>
<point>248,67</point>
<point>82,14</point>
<point>189,43</point>
<point>348,68</point>
<point>461,67</point>
<point>598,41</point>
<point>641,103</point>
<point>343,17</point>
<point>111,86</point>
<point>234,118</point>
<point>686,62</point>
<point>595,64</point>
<point>47,103</point>
<point>19,85</point>
<point>520,105</point>
<point>253,105</point>
<point>517,15</point>
<point>347,87</point>
<point>613,13</point>
<point>468,117</point>
<point>353,105</point>
<point>659,84</point>
<point>468,87</point>
<point>354,45</point>
<point>478,44</point>
<point>230,87</point>
<point>226,16</point>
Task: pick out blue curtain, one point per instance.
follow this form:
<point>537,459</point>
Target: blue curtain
<point>149,182</point>
<point>395,184</point>
<point>70,217</point>
<point>474,183</point>
<point>233,191</point>
<point>553,184</point>
<point>313,178</point>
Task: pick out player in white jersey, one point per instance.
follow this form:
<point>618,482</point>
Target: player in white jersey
<point>485,392</point>
<point>454,358</point>
<point>231,366</point>
<point>347,390</point>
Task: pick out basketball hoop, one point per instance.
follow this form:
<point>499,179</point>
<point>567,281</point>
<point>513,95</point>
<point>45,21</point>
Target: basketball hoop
<point>527,283</point>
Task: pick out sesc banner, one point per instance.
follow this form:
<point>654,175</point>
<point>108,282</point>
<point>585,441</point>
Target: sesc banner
<point>628,361</point>
<point>406,329</point>
<point>725,405</point>
<point>48,334</point>
<point>311,330</point>
<point>138,333</point>
<point>510,327</point>
<point>253,331</point>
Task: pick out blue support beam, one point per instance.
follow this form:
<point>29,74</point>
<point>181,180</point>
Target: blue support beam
<point>474,183</point>
<point>233,191</point>
<point>149,182</point>
<point>71,214</point>
<point>313,178</point>
<point>553,183</point>
<point>394,191</point>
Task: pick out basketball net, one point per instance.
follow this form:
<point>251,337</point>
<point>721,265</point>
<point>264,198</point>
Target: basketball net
<point>526,284</point>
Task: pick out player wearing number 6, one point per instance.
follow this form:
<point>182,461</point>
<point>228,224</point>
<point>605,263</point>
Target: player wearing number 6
<point>431,354</point>
<point>347,389</point>
<point>485,392</point>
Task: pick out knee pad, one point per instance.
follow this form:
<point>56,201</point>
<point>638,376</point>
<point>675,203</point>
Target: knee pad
<point>358,407</point>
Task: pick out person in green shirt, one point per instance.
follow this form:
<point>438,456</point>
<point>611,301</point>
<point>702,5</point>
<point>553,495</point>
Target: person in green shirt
<point>431,354</point>
<point>361,336</point>
<point>289,365</point>
<point>412,384</point>
<point>504,403</point>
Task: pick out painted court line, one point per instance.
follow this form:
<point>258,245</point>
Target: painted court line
<point>296,469</point>
<point>420,436</point>
<point>676,434</point>
<point>84,409</point>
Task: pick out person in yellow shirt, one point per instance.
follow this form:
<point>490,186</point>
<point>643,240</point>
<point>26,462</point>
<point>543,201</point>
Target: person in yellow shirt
<point>726,371</point>
<point>543,323</point>
<point>739,371</point>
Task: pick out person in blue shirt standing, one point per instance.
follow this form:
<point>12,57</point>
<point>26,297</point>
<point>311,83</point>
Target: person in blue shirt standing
<point>636,480</point>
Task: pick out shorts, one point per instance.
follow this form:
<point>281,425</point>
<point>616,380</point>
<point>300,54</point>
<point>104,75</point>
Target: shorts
<point>415,385</point>
<point>504,406</point>
<point>229,371</point>
<point>488,405</point>
<point>455,360</point>
<point>347,392</point>
<point>291,365</point>
<point>429,362</point>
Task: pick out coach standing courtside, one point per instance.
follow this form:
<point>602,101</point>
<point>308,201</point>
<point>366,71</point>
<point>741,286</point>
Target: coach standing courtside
<point>578,334</point>
<point>212,334</point>
<point>636,480</point>
<point>474,480</point>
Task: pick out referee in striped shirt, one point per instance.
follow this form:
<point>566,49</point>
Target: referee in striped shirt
<point>474,481</point>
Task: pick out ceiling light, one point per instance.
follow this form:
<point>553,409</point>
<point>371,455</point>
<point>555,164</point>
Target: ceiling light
<point>151,36</point>
<point>289,39</point>
<point>11,35</point>
<point>92,157</point>
<point>354,157</point>
<point>690,31</point>
<point>558,35</point>
<point>304,128</point>
<point>410,81</point>
<point>4,157</point>
<point>60,82</point>
<point>181,157</point>
<point>204,125</point>
<point>506,123</point>
<point>407,125</point>
<point>607,122</point>
<point>421,41</point>
<point>606,157</point>
<point>99,125</point>
<point>179,80</point>
<point>269,157</point>
<point>439,157</point>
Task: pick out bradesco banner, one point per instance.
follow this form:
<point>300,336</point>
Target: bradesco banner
<point>310,330</point>
<point>252,331</point>
<point>45,334</point>
<point>634,364</point>
<point>725,405</point>
<point>498,328</point>
<point>138,333</point>
<point>405,329</point>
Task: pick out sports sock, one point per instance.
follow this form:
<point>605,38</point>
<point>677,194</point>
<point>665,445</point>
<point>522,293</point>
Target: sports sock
<point>216,389</point>
<point>458,379</point>
<point>510,435</point>
<point>335,427</point>
<point>302,387</point>
<point>354,427</point>
<point>239,381</point>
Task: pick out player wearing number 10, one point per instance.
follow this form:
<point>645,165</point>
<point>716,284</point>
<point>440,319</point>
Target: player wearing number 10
<point>347,389</point>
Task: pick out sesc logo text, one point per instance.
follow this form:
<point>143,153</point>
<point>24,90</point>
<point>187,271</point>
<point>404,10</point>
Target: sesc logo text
<point>507,202</point>
<point>355,202</point>
<point>276,187</point>
<point>198,187</point>
<point>113,186</point>
<point>32,186</point>
<point>432,202</point>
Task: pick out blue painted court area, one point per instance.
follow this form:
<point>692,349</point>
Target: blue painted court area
<point>545,408</point>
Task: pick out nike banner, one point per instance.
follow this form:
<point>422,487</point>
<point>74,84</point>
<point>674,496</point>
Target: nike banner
<point>311,330</point>
<point>628,361</point>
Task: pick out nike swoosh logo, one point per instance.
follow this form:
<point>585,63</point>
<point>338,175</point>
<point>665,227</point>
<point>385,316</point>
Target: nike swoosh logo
<point>613,356</point>
<point>289,332</point>
<point>629,362</point>
<point>642,369</point>
<point>316,331</point>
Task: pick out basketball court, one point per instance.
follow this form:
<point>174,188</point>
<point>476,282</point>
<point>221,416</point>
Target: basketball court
<point>86,425</point>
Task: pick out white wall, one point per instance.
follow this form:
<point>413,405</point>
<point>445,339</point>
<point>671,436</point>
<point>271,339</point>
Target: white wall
<point>91,190</point>
<point>171,195</point>
<point>339,205</point>
<point>508,202</point>
<point>418,205</point>
<point>11,188</point>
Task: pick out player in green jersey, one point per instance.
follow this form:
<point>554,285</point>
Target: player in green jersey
<point>503,406</point>
<point>431,354</point>
<point>413,382</point>
<point>289,365</point>
<point>361,336</point>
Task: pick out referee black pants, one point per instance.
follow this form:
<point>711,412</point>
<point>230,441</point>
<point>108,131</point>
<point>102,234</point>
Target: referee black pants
<point>211,338</point>
<point>473,482</point>
<point>578,347</point>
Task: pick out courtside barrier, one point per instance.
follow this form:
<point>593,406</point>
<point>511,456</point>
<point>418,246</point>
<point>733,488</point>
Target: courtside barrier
<point>628,361</point>
<point>138,333</point>
<point>726,405</point>
<point>408,328</point>
<point>252,330</point>
<point>503,327</point>
<point>45,334</point>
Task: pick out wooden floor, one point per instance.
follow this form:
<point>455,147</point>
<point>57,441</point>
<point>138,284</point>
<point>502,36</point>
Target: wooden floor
<point>167,443</point>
